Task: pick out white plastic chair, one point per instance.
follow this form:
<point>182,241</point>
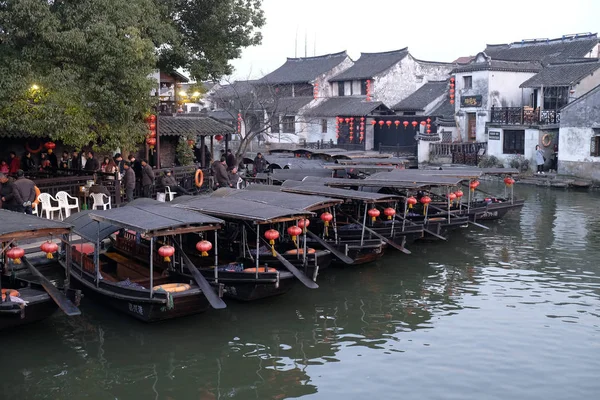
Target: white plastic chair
<point>99,201</point>
<point>46,201</point>
<point>34,210</point>
<point>169,194</point>
<point>63,202</point>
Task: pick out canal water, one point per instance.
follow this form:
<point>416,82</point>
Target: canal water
<point>507,313</point>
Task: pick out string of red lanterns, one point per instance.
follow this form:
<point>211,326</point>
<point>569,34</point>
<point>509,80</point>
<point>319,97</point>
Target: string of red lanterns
<point>151,124</point>
<point>351,128</point>
<point>362,129</point>
<point>337,127</point>
<point>316,91</point>
<point>368,84</point>
<point>239,125</point>
<point>451,91</point>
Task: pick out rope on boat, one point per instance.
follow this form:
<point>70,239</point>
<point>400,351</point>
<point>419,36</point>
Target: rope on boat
<point>170,303</point>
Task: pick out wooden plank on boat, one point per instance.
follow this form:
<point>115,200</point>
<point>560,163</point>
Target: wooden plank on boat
<point>386,240</point>
<point>59,298</point>
<point>332,249</point>
<point>295,271</point>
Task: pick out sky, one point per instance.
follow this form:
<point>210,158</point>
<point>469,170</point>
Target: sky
<point>433,30</point>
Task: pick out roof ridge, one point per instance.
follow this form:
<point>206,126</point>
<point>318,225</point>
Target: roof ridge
<point>538,41</point>
<point>575,61</point>
<point>405,49</point>
<point>320,57</point>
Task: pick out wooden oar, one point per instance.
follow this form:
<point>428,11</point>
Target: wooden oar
<point>309,283</point>
<point>424,230</point>
<point>59,298</point>
<point>208,291</point>
<point>479,225</point>
<point>386,240</point>
<point>329,247</point>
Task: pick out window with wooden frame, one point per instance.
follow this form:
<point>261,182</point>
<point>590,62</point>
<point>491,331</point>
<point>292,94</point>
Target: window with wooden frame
<point>468,82</point>
<point>363,88</point>
<point>514,142</point>
<point>288,124</point>
<point>595,143</point>
<point>323,126</point>
<point>341,88</point>
<point>274,124</point>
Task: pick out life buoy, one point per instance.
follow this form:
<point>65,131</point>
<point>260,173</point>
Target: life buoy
<point>37,197</point>
<point>32,151</point>
<point>301,251</point>
<point>260,269</point>
<point>173,287</point>
<point>546,140</point>
<point>199,178</point>
<point>11,292</point>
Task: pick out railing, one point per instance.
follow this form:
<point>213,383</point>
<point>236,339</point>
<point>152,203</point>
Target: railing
<point>461,153</point>
<point>399,151</point>
<point>320,144</point>
<point>524,116</point>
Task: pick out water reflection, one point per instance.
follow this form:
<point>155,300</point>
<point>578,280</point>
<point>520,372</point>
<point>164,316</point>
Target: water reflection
<point>508,296</point>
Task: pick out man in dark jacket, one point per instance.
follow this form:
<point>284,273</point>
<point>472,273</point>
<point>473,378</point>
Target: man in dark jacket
<point>128,180</point>
<point>92,164</point>
<point>27,163</point>
<point>260,164</point>
<point>219,169</point>
<point>53,160</point>
<point>24,193</point>
<point>147,179</point>
<point>231,160</point>
<point>6,193</point>
<point>75,160</point>
<point>170,181</point>
<point>119,162</point>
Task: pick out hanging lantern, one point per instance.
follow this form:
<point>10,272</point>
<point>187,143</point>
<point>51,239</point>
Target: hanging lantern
<point>428,120</point>
<point>411,201</point>
<point>374,213</point>
<point>459,194</point>
<point>368,90</point>
<point>49,248</point>
<point>428,130</point>
<point>362,119</point>
<point>508,181</point>
<point>381,123</point>
<point>152,126</point>
<point>151,142</point>
<point>452,79</point>
<point>388,123</point>
<point>303,223</point>
<point>167,252</point>
<point>152,133</point>
<point>341,120</point>
<point>50,145</point>
<point>425,200</point>
<point>373,122</point>
<point>451,198</point>
<point>15,254</point>
<point>272,235</point>
<point>428,126</point>
<point>405,123</point>
<point>451,95</point>
<point>451,101</point>
<point>397,123</point>
<point>151,118</point>
<point>473,185</point>
<point>204,246</point>
<point>451,85</point>
<point>219,137</point>
<point>347,120</point>
<point>326,217</point>
<point>294,231</point>
<point>389,212</point>
<point>452,91</point>
<point>423,123</point>
<point>414,124</point>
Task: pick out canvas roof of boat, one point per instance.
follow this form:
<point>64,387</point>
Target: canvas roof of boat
<point>276,198</point>
<point>299,174</point>
<point>360,167</point>
<point>342,183</point>
<point>310,189</point>
<point>376,161</point>
<point>410,180</point>
<point>234,208</point>
<point>15,225</point>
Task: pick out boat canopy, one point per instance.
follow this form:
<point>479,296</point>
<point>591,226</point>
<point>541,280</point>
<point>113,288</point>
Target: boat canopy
<point>374,161</point>
<point>315,189</point>
<point>232,208</point>
<point>281,175</point>
<point>14,225</point>
<point>277,198</point>
<point>410,179</point>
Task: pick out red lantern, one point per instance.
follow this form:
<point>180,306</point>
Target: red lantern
<point>49,248</point>
<point>373,122</point>
<point>151,142</point>
<point>428,126</point>
<point>347,120</point>
<point>362,119</point>
<point>204,246</point>
<point>272,235</point>
<point>219,137</point>
<point>152,133</point>
<point>473,185</point>
<point>381,123</point>
<point>152,126</point>
<point>294,231</point>
<point>452,91</point>
<point>151,118</point>
<point>340,120</point>
<point>451,85</point>
<point>405,123</point>
<point>425,200</point>
<point>374,213</point>
<point>167,252</point>
<point>452,79</point>
<point>388,123</point>
<point>326,217</point>
<point>50,145</point>
<point>451,101</point>
<point>411,201</point>
<point>389,212</point>
<point>508,181</point>
<point>459,194</point>
<point>428,130</point>
<point>303,223</point>
<point>452,197</point>
<point>15,254</point>
<point>428,120</point>
<point>451,95</point>
<point>414,124</point>
<point>397,123</point>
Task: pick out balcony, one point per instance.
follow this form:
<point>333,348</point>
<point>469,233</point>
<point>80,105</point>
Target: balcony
<point>524,116</point>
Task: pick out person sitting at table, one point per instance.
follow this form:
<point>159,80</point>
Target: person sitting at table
<point>169,180</point>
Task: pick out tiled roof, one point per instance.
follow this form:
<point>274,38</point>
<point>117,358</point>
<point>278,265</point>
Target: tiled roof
<point>346,106</point>
<point>304,70</point>
<point>371,64</point>
<point>237,89</point>
<point>290,105</point>
<point>422,97</point>
<point>499,65</point>
<point>544,50</point>
<point>199,126</point>
<point>222,115</point>
<point>463,60</point>
<point>444,110</point>
<point>564,74</point>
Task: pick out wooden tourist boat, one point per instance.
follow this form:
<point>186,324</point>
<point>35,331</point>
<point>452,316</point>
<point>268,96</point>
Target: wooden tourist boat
<point>256,268</point>
<point>134,281</point>
<point>27,294</point>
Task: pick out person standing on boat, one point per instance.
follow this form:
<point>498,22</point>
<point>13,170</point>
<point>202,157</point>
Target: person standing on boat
<point>128,180</point>
<point>219,168</point>
<point>147,179</point>
<point>24,193</point>
<point>539,159</point>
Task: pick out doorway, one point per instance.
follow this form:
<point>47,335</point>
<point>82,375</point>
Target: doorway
<point>472,127</point>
